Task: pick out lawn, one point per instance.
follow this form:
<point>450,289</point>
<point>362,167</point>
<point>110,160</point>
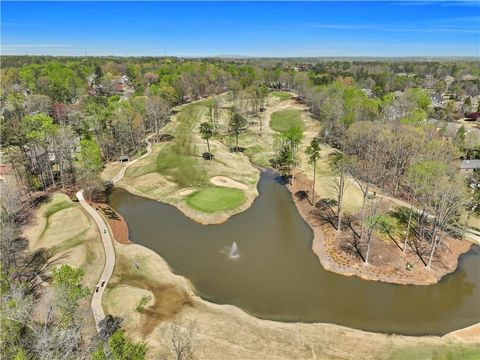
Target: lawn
<point>57,206</point>
<point>282,95</point>
<point>214,199</point>
<point>178,160</point>
<point>286,119</point>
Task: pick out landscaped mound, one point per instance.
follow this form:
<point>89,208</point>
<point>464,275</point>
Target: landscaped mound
<point>213,199</point>
<point>286,119</point>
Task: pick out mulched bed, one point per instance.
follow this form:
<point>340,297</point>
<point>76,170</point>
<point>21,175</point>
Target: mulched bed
<point>386,261</point>
<point>117,223</point>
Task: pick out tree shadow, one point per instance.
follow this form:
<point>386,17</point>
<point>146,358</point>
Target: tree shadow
<point>302,195</point>
<point>326,211</point>
<point>353,246</point>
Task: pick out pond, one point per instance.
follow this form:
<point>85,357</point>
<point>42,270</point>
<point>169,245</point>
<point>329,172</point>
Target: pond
<point>276,276</point>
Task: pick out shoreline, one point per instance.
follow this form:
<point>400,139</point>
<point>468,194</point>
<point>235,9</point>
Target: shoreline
<point>359,269</point>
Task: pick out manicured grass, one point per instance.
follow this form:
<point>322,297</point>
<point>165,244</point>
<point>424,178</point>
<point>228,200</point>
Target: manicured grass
<point>57,207</point>
<point>282,95</point>
<point>286,119</point>
<point>214,199</point>
<point>178,160</point>
<point>184,170</point>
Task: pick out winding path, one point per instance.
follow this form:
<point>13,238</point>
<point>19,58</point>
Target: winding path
<point>96,305</point>
<point>122,171</point>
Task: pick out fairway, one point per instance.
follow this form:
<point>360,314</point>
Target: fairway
<point>286,119</point>
<point>214,199</point>
<point>282,95</point>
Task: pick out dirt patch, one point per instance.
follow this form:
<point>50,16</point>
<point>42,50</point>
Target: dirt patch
<point>470,334</point>
<point>186,192</point>
<point>227,182</point>
<point>168,301</point>
<point>387,262</point>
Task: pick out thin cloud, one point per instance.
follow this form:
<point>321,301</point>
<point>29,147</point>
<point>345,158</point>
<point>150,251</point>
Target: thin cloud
<point>35,45</point>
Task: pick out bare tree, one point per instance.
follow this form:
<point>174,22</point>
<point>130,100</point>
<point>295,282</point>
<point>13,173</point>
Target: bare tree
<point>182,338</point>
<point>448,201</point>
<point>339,182</point>
<point>157,110</point>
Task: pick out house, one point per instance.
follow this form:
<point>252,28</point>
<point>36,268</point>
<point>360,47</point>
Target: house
<point>368,92</point>
<point>123,158</point>
<point>437,100</point>
<point>470,165</point>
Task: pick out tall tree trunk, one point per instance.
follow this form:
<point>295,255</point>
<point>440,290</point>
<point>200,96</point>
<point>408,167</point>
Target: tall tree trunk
<point>39,168</point>
<point>341,189</point>
<point>436,241</point>
<point>407,232</point>
<point>368,251</point>
<point>313,187</point>
<point>50,168</point>
<point>209,153</point>
<point>365,195</point>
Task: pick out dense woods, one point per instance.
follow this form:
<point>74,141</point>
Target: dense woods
<point>63,118</point>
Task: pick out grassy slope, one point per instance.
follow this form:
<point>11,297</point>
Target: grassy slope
<point>285,119</point>
<point>62,225</point>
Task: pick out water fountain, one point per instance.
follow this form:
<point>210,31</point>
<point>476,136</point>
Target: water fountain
<point>233,251</point>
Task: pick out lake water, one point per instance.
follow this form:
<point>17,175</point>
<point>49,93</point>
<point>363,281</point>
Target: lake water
<point>276,276</point>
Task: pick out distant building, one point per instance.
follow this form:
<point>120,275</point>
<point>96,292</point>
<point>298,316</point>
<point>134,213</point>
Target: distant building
<point>437,100</point>
<point>368,92</point>
<point>470,165</point>
<point>469,77</point>
<point>123,158</point>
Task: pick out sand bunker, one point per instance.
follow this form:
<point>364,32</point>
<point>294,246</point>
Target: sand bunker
<point>227,182</point>
<point>186,192</point>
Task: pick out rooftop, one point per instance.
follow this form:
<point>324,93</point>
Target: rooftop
<point>470,164</point>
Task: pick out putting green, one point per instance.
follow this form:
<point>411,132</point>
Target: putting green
<point>285,119</point>
<point>212,199</point>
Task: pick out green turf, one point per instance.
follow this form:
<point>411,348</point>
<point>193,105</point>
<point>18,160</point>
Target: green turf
<point>178,160</point>
<point>57,207</point>
<point>286,119</point>
<point>282,95</point>
<point>213,199</point>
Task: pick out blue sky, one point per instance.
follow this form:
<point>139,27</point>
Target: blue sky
<point>406,28</point>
